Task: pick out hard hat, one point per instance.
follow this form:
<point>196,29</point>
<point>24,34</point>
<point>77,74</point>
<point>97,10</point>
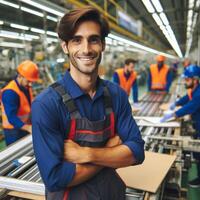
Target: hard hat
<point>191,71</point>
<point>160,58</point>
<point>28,70</point>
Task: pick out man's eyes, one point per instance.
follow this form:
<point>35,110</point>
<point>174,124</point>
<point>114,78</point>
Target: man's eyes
<point>92,40</point>
<point>76,40</point>
<point>95,40</point>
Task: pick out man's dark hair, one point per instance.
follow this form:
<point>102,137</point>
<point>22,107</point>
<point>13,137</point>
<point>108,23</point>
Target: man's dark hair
<point>130,60</point>
<point>70,21</point>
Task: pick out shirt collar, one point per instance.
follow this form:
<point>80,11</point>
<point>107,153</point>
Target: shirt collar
<point>75,91</point>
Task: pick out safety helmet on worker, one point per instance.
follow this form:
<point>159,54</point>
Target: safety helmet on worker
<point>192,71</point>
<point>28,70</point>
<point>160,58</point>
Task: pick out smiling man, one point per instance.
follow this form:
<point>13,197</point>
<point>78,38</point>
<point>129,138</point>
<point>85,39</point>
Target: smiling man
<point>83,127</point>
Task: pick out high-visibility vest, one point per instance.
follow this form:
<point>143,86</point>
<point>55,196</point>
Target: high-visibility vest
<point>158,77</point>
<point>189,92</point>
<point>24,109</point>
<point>124,83</point>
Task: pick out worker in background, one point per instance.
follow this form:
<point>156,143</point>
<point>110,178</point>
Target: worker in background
<point>159,78</point>
<point>190,106</point>
<point>16,102</point>
<point>126,77</point>
<point>82,110</point>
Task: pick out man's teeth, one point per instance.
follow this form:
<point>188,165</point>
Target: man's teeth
<point>86,58</point>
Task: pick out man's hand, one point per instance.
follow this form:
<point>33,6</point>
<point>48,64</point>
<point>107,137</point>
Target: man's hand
<point>114,141</point>
<point>27,127</point>
<point>75,153</point>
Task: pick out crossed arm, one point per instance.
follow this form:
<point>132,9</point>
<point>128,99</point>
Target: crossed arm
<point>89,161</point>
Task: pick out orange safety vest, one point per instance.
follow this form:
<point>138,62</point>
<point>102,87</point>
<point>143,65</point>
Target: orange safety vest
<point>158,77</point>
<point>124,83</point>
<point>24,110</point>
<point>189,92</point>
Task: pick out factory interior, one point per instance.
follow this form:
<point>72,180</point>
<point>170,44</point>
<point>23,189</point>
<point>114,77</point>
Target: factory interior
<point>146,31</point>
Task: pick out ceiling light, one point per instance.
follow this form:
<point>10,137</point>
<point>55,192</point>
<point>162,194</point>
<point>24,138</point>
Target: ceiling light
<point>36,30</point>
<point>19,26</point>
<point>52,33</point>
<point>43,7</point>
<point>52,18</point>
<point>13,35</point>
<point>157,5</point>
<point>12,45</point>
<point>157,19</point>
<point>32,11</point>
<point>9,4</point>
<point>50,40</point>
<point>137,45</point>
<point>148,6</point>
<point>164,18</point>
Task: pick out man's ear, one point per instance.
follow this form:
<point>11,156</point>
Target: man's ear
<point>64,47</point>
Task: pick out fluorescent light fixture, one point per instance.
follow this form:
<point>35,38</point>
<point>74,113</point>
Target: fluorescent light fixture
<point>19,26</point>
<point>50,40</point>
<point>164,18</point>
<point>139,46</point>
<point>52,33</point>
<point>52,18</point>
<point>9,4</point>
<point>35,37</point>
<point>60,60</point>
<point>1,22</point>
<point>108,41</point>
<point>157,19</point>
<point>32,11</point>
<point>197,3</point>
<point>148,6</point>
<point>43,7</point>
<point>157,5</point>
<point>12,45</point>
<point>13,35</point>
<point>36,30</point>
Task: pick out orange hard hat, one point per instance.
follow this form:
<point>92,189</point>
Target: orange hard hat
<point>28,70</point>
<point>160,58</point>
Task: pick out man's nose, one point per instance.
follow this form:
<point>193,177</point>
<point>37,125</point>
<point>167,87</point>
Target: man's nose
<point>86,47</point>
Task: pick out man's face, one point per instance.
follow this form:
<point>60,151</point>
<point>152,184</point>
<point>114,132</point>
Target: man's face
<point>85,48</point>
<point>160,63</point>
<point>130,67</point>
<point>189,83</point>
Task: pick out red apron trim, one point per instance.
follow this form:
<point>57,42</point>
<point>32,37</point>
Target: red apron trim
<point>72,129</point>
<point>112,124</point>
<point>66,194</point>
<point>93,132</point>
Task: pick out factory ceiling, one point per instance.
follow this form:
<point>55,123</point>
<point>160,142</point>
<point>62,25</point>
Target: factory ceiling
<point>177,13</point>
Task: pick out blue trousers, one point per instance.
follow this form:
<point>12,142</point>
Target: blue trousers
<point>12,135</point>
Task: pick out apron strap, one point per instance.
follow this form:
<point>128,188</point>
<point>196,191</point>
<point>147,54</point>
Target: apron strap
<point>107,101</point>
<point>67,100</point>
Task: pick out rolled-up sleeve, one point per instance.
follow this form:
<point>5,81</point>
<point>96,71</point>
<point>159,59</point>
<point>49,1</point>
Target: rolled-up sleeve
<point>48,143</point>
<point>129,131</point>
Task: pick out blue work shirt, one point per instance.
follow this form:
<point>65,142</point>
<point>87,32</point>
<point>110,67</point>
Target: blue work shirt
<point>191,107</point>
<point>134,86</point>
<point>11,102</point>
<point>168,84</point>
<point>50,118</point>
